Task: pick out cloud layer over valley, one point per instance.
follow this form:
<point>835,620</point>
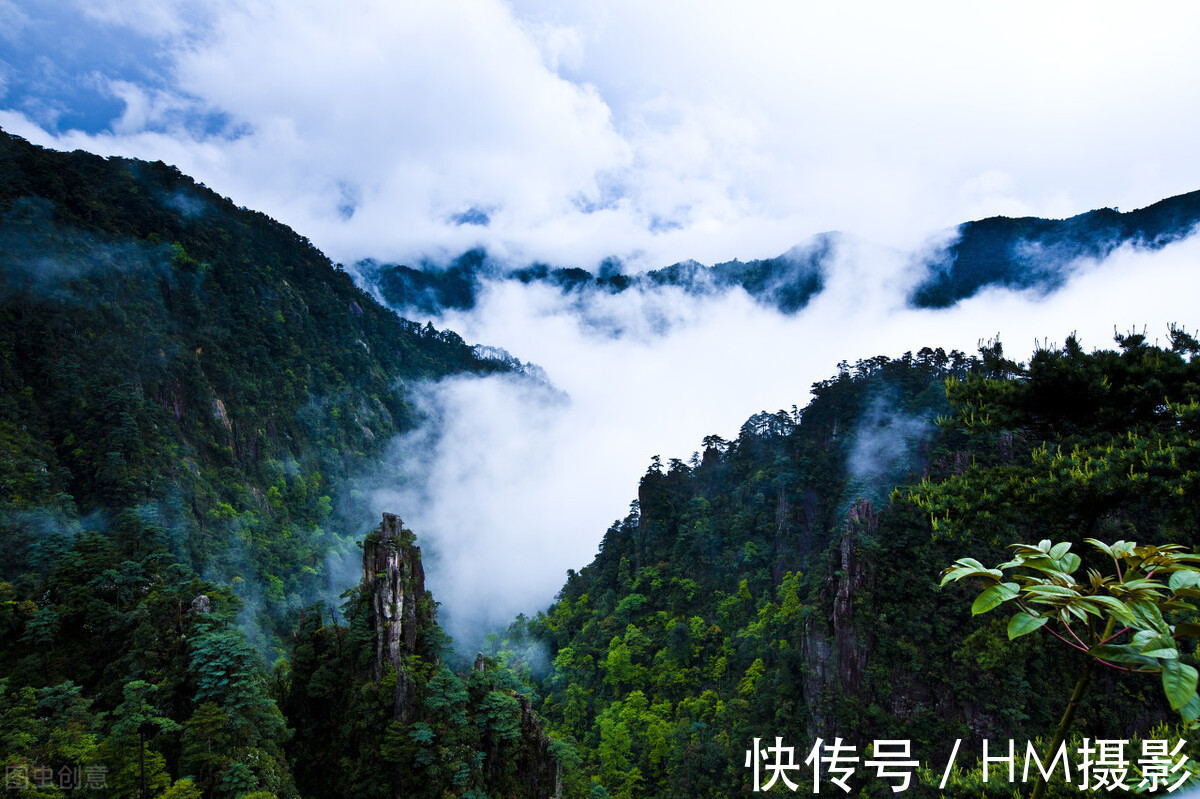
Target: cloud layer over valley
<point>512,482</point>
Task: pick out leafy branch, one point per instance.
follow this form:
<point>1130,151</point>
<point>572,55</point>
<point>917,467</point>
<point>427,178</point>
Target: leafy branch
<point>1149,582</point>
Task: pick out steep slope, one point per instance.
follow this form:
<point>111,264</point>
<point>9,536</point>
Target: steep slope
<point>785,584</point>
<point>1030,252</point>
<point>165,351</point>
<point>377,712</point>
<point>187,389</point>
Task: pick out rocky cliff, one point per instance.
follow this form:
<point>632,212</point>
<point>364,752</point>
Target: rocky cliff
<point>395,581</point>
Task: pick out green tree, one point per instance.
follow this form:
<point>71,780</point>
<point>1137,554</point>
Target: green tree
<point>1119,620</point>
<point>134,769</point>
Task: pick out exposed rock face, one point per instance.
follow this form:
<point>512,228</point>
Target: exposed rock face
<point>852,655</point>
<point>836,666</point>
<point>393,575</point>
<point>538,769</point>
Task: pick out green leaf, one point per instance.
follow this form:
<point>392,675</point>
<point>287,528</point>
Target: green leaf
<point>1058,590</point>
<point>1179,683</point>
<point>1080,610</point>
<point>1183,579</point>
<point>1042,563</point>
<point>990,598</point>
<point>1143,584</point>
<point>1023,624</point>
<point>1115,606</point>
<point>1149,617</point>
<point>1100,545</point>
<point>1069,562</point>
<point>1058,550</point>
<point>1191,711</point>
<point>1121,653</point>
<point>1187,630</point>
<point>1123,549</point>
<point>969,567</point>
<point>1163,654</point>
<point>1160,646</point>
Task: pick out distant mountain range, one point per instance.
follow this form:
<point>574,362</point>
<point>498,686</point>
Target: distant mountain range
<point>1017,253</point>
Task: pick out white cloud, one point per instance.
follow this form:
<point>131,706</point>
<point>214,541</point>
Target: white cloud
<point>12,20</point>
<point>671,130</point>
<point>144,109</point>
<point>156,18</point>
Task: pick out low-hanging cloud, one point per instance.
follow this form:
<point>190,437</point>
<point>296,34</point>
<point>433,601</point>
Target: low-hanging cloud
<point>511,482</point>
<point>884,448</point>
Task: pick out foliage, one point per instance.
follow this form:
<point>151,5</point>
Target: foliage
<point>1132,598</point>
<point>782,584</point>
<point>186,387</point>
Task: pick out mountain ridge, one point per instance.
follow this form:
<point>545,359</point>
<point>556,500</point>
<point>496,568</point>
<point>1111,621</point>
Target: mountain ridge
<point>1008,252</point>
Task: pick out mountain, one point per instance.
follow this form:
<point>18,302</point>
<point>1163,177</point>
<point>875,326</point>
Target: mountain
<point>1024,253</point>
<point>190,393</point>
<point>784,586</point>
<point>1033,253</point>
<point>786,282</point>
<point>378,713</point>
<point>167,352</point>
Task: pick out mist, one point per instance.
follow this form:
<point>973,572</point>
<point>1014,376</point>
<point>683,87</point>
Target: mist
<point>884,448</point>
<point>511,481</point>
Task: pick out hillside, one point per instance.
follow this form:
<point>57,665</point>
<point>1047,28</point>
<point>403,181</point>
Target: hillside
<point>786,583</point>
<point>192,394</point>
<point>1034,253</point>
<point>189,392</point>
<point>169,353</point>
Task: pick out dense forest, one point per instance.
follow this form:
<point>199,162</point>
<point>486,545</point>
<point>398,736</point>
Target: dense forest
<point>786,583</point>
<point>192,393</point>
<point>189,393</point>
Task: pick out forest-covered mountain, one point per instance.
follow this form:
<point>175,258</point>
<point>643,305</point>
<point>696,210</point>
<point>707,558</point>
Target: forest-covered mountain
<point>191,390</point>
<point>1035,253</point>
<point>786,583</point>
<point>786,282</point>
<point>1022,253</point>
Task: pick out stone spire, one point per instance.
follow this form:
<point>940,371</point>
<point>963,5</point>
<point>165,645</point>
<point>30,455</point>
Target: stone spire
<point>393,576</point>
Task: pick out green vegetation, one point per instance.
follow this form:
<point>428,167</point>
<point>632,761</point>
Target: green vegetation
<point>1087,617</point>
<point>185,388</point>
<point>188,392</point>
<point>785,584</point>
<point>1034,253</point>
